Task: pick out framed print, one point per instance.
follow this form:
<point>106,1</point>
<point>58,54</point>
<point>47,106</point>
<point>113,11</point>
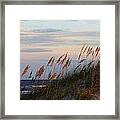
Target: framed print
<point>60,60</point>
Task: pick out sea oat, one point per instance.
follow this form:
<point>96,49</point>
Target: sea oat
<point>53,76</point>
<point>62,61</point>
<point>40,71</point>
<point>53,59</point>
<point>25,70</point>
<point>49,61</point>
<point>66,64</point>
<point>60,58</point>
<point>85,50</point>
<point>81,52</point>
<point>69,62</point>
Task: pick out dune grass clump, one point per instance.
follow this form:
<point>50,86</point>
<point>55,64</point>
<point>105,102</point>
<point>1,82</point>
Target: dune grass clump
<point>83,83</point>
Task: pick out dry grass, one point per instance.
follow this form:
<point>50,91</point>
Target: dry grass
<point>64,62</point>
<point>66,84</point>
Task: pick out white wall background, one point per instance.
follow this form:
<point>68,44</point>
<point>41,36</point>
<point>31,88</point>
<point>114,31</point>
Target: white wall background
<point>0,43</point>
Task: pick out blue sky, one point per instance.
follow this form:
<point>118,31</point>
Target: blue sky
<point>70,25</point>
<point>44,36</point>
<point>39,40</point>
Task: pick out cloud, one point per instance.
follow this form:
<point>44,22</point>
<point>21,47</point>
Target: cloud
<point>38,31</point>
<point>78,34</point>
<point>35,50</point>
<point>61,38</point>
<point>46,30</point>
<point>49,35</point>
<point>36,39</point>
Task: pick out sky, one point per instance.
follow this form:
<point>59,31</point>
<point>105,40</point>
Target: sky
<point>39,40</point>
